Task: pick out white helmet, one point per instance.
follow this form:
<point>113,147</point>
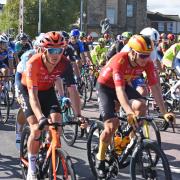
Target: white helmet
<point>152,33</point>
<point>3,39</point>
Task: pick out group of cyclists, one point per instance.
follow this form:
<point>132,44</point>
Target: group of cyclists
<point>130,67</point>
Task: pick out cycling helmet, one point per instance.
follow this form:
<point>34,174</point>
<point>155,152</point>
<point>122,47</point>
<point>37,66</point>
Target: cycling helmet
<point>171,36</point>
<point>106,36</point>
<point>37,42</point>
<point>3,39</point>
<point>163,36</point>
<point>152,33</point>
<point>101,41</point>
<point>75,33</point>
<point>5,36</point>
<point>22,36</point>
<point>53,39</point>
<point>141,44</point>
<point>82,34</point>
<point>119,37</point>
<point>126,35</point>
<point>65,34</point>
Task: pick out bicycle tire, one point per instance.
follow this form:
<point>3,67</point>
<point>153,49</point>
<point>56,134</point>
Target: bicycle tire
<point>11,91</point>
<point>24,151</point>
<point>83,91</point>
<point>64,166</point>
<point>92,151</point>
<point>4,105</point>
<point>90,86</point>
<point>69,132</point>
<point>139,159</point>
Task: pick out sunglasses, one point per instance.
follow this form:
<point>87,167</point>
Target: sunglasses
<point>54,50</point>
<point>143,56</point>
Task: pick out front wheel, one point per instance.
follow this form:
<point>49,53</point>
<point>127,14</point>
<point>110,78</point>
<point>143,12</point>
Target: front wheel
<point>64,167</point>
<point>143,166</point>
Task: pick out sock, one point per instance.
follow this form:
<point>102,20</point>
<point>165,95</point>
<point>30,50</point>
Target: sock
<point>32,163</point>
<point>102,150</point>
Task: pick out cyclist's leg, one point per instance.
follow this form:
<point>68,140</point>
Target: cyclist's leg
<point>33,145</point>
<point>107,110</point>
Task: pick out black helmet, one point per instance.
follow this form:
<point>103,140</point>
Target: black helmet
<point>65,34</point>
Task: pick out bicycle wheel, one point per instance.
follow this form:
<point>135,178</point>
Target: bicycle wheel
<point>111,161</point>
<point>93,144</point>
<point>64,167</point>
<point>142,164</point>
<point>11,91</point>
<point>24,151</point>
<point>4,105</point>
<point>83,91</point>
<point>90,86</point>
<point>69,132</point>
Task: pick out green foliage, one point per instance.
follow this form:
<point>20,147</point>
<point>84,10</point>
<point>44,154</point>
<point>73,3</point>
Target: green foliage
<point>56,15</point>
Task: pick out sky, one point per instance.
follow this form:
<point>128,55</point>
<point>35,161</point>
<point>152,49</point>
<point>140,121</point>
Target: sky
<point>171,7</point>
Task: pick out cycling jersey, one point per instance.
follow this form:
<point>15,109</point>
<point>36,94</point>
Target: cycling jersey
<point>170,54</point>
<point>69,52</point>
<point>115,48</point>
<point>20,48</point>
<point>79,48</point>
<point>98,54</point>
<point>37,76</point>
<point>118,71</point>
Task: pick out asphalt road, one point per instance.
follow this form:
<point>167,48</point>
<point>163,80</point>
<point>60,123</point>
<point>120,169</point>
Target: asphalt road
<point>9,162</point>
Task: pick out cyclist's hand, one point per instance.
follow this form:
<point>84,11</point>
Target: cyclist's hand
<point>84,122</point>
<point>42,122</point>
<point>169,117</point>
<point>132,120</point>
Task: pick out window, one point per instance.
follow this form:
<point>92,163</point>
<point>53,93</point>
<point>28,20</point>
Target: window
<point>170,26</point>
<point>160,26</point>
<point>129,10</point>
<point>112,15</point>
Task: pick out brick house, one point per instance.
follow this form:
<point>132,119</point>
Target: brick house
<point>124,15</point>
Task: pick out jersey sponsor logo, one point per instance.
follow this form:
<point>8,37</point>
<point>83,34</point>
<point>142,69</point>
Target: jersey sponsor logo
<point>117,77</point>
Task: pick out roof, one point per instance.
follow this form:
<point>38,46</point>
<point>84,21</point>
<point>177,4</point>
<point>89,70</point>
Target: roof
<point>161,17</point>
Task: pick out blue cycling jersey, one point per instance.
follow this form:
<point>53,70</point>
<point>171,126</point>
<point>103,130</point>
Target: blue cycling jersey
<point>8,54</point>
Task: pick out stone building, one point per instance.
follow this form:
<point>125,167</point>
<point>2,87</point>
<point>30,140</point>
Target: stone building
<point>124,15</point>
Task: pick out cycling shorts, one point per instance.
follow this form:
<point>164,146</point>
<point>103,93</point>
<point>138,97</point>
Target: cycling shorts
<point>107,97</point>
<point>3,65</point>
<point>48,101</point>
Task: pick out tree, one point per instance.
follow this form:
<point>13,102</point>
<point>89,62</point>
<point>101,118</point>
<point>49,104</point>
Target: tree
<point>56,15</point>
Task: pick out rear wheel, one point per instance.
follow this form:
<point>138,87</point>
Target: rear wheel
<point>64,167</point>
<point>143,165</point>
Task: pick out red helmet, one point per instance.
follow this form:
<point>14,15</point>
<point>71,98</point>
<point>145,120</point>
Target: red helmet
<point>53,39</point>
<point>106,36</point>
<point>171,36</point>
<point>89,38</point>
<point>163,36</point>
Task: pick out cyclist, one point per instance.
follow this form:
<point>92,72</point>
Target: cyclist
<point>6,56</point>
<point>114,83</point>
<point>22,45</point>
<point>171,39</point>
<point>121,41</point>
<point>98,54</point>
<point>163,45</point>
<point>38,98</point>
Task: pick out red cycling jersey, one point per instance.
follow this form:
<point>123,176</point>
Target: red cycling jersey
<point>118,71</point>
<point>37,76</point>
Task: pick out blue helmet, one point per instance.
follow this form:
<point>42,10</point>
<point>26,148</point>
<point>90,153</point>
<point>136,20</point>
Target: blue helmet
<point>75,32</point>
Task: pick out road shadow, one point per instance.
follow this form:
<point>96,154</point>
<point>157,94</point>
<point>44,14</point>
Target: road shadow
<point>9,167</point>
<point>8,126</point>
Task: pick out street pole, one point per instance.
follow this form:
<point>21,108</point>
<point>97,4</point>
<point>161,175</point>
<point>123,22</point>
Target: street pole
<point>39,22</point>
<point>81,15</point>
<point>21,16</point>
